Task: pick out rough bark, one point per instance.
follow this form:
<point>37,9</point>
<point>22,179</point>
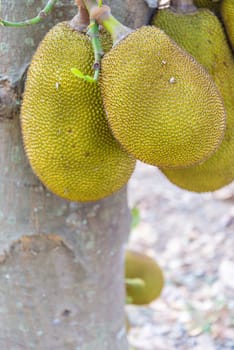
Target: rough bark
<point>61,263</point>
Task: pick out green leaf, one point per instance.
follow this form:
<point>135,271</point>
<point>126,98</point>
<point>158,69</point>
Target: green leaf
<point>135,217</point>
<point>89,79</point>
<point>80,75</point>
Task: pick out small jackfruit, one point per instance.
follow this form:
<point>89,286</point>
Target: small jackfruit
<point>227,13</point>
<point>65,132</point>
<point>141,266</point>
<point>161,104</point>
<point>202,35</point>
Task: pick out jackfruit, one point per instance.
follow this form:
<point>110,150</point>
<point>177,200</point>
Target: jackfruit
<point>202,35</point>
<point>138,265</point>
<point>66,136</point>
<point>161,104</point>
<point>227,13</point>
<point>209,4</point>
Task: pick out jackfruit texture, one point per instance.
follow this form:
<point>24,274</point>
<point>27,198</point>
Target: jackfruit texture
<point>213,5</point>
<point>227,13</point>
<point>141,266</point>
<point>65,132</point>
<point>202,35</point>
<point>161,104</point>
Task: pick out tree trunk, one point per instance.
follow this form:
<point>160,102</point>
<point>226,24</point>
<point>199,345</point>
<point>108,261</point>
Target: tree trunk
<point>61,263</point>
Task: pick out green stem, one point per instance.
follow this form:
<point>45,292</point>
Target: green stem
<point>116,29</point>
<point>135,282</point>
<point>42,14</point>
<point>90,4</point>
<point>93,32</point>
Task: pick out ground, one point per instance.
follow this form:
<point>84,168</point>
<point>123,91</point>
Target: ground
<point>192,238</point>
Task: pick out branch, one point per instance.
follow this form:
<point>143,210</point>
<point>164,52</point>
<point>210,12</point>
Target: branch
<point>42,14</point>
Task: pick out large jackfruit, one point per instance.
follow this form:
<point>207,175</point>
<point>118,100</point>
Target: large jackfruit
<point>227,12</point>
<point>161,104</point>
<point>202,35</point>
<point>213,5</point>
<point>65,132</point>
<point>141,266</point>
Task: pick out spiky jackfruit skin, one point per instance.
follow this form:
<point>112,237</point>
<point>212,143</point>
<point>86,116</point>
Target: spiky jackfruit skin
<point>209,4</point>
<point>202,35</point>
<point>65,132</point>
<point>141,266</point>
<point>161,104</point>
<point>227,13</point>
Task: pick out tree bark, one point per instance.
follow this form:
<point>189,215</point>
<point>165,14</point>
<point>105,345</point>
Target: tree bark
<point>61,263</point>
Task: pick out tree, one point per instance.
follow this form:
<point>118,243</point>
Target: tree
<point>61,269</point>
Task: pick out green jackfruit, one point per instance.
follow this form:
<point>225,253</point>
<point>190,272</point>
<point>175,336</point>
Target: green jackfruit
<point>65,132</point>
<point>202,35</point>
<point>227,13</point>
<point>141,266</point>
<point>161,104</point>
<point>213,5</point>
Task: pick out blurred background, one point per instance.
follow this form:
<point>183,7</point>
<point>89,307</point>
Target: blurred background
<point>192,238</point>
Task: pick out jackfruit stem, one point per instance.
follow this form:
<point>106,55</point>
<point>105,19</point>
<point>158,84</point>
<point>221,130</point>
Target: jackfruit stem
<point>93,32</point>
<point>102,15</point>
<point>183,6</point>
<point>41,15</point>
<point>90,4</point>
<point>116,29</point>
<point>135,282</point>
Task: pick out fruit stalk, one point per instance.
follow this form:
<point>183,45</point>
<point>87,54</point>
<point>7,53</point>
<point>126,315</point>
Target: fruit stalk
<point>93,32</point>
<point>102,15</point>
<point>89,4</point>
<point>135,282</point>
<point>41,15</point>
<point>82,22</point>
